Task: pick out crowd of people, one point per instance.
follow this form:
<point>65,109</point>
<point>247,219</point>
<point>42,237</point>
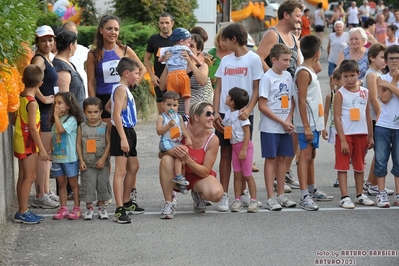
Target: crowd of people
<point>207,100</point>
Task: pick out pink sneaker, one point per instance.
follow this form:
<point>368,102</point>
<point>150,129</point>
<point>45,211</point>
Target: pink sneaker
<point>61,213</point>
<point>75,214</point>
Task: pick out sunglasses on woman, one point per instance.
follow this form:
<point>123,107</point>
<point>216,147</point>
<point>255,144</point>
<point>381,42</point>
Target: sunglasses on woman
<point>209,113</point>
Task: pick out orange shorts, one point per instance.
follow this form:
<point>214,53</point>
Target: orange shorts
<point>178,81</point>
<point>357,152</point>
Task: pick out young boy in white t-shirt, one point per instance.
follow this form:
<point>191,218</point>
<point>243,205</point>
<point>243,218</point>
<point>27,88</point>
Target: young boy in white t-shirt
<point>242,68</point>
<point>275,105</point>
<point>354,132</point>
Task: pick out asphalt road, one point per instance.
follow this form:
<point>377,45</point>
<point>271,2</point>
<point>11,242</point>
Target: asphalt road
<point>291,237</point>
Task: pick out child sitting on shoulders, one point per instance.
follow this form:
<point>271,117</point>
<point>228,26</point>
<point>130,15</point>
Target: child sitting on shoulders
<point>177,79</point>
<point>171,128</point>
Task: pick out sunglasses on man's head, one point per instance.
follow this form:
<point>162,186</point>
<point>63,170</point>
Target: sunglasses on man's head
<point>209,113</point>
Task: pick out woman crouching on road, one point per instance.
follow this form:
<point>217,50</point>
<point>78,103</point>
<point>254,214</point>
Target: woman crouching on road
<point>198,159</point>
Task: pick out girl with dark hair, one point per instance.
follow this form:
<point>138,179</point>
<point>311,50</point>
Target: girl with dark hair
<point>69,78</point>
<point>103,59</point>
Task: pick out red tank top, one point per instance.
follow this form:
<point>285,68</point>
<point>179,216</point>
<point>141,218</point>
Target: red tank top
<point>198,156</point>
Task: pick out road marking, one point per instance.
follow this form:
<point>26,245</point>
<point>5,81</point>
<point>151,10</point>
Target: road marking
<point>261,210</point>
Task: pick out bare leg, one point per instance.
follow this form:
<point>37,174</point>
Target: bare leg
<point>269,176</point>
<point>166,175</point>
<point>289,159</point>
<point>251,186</point>
<point>62,190</point>
<point>372,179</point>
<point>186,104</point>
<point>120,172</point>
<point>238,184</point>
<point>280,174</point>
<point>43,168</point>
<point>26,177</point>
<point>305,159</point>
<point>178,166</point>
<point>359,178</point>
<point>130,177</point>
<point>73,182</point>
<point>343,183</point>
<point>209,188</point>
<point>225,166</point>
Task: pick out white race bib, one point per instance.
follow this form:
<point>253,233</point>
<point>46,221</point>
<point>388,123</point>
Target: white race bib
<point>109,71</point>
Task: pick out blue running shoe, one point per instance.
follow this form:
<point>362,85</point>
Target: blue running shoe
<point>41,218</point>
<point>26,218</point>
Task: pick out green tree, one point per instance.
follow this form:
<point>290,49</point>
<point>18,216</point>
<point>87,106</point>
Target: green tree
<point>17,26</point>
<point>88,12</point>
<point>148,11</point>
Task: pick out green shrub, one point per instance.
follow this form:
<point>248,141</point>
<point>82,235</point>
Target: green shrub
<point>48,18</point>
<point>18,24</point>
<point>144,99</point>
<point>135,35</point>
<point>148,11</point>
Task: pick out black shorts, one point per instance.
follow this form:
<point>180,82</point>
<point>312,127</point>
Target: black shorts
<point>104,99</point>
<point>319,28</point>
<point>45,117</point>
<point>116,142</point>
<point>226,142</point>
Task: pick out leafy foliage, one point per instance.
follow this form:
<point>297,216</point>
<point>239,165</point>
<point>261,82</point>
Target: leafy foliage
<point>88,12</point>
<point>17,26</point>
<point>48,18</point>
<point>148,11</point>
<point>135,35</point>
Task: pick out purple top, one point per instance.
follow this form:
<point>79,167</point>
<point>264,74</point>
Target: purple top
<point>106,74</point>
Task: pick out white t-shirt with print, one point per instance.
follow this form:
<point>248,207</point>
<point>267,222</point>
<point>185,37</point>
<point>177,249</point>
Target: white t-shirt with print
<point>238,72</point>
<point>274,87</point>
<point>231,119</point>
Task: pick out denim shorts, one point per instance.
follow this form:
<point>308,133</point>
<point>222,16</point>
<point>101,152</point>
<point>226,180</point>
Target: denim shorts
<point>65,169</point>
<point>303,143</point>
<point>386,141</point>
<point>331,67</point>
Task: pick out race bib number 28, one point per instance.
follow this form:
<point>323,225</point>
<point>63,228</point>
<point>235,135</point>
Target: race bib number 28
<point>109,71</point>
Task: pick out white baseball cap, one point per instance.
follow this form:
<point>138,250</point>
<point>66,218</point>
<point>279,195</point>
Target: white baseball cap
<point>44,31</point>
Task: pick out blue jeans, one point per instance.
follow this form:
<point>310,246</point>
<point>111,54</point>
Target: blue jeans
<point>386,142</point>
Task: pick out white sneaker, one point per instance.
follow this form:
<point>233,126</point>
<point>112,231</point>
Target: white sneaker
<point>290,181</point>
<point>53,196</point>
<point>373,190</point>
<point>286,201</point>
<point>382,200</point>
<point>236,206</point>
<point>346,203</point>
<point>45,202</point>
<point>363,199</point>
<point>253,206</point>
<point>224,203</point>
<point>287,189</point>
<point>246,199</point>
<point>273,204</point>
<point>102,213</point>
<point>88,215</point>
<point>174,198</point>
